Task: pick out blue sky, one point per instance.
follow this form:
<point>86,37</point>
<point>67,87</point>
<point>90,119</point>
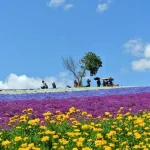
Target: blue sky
<point>34,35</point>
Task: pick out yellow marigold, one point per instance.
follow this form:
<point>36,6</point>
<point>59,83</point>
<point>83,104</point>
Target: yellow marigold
<point>52,121</point>
<point>5,143</point>
<point>81,139</point>
<point>123,143</point>
<point>61,148</point>
<point>64,142</point>
<point>31,145</point>
<point>107,113</point>
<point>84,113</point>
<point>72,110</point>
<point>85,126</point>
<point>107,148</point>
<point>111,144</point>
<point>45,138</point>
<point>89,140</point>
<point>55,136</point>
<point>54,146</point>
<point>24,145</point>
<point>79,144</point>
<point>99,136</point>
<point>30,109</point>
<point>129,133</point>
<point>137,135</point>
<point>100,142</point>
<point>18,127</point>
<point>136,146</point>
<point>75,148</point>
<point>75,140</point>
<point>86,148</point>
<point>25,138</point>
<point>18,138</point>
<point>42,127</point>
<point>50,132</point>
<point>47,113</point>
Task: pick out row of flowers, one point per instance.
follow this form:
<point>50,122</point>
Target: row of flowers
<point>77,130</point>
<point>95,105</point>
<point>71,94</point>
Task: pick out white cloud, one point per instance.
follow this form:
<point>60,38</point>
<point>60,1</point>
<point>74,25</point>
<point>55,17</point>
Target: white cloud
<point>68,6</point>
<point>103,6</point>
<point>23,82</point>
<point>56,3</point>
<point>141,65</point>
<point>141,50</point>
<point>147,51</point>
<point>134,47</point>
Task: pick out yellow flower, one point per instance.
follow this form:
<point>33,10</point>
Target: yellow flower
<point>137,135</point>
<point>85,126</point>
<point>99,136</point>
<point>107,148</point>
<point>112,145</point>
<point>75,149</point>
<point>81,139</point>
<point>107,113</point>
<point>79,143</point>
<point>5,143</point>
<point>129,133</point>
<point>31,145</point>
<point>24,145</point>
<point>61,148</point>
<point>25,138</point>
<point>42,127</point>
<point>18,138</point>
<point>55,136</point>
<point>30,109</point>
<point>50,132</point>
<point>45,138</point>
<point>100,142</point>
<point>86,148</point>
<point>89,140</point>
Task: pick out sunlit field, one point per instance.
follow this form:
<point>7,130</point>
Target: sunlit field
<point>75,119</point>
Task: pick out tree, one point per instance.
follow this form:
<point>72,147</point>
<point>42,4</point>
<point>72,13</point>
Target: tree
<point>91,62</point>
<point>73,67</point>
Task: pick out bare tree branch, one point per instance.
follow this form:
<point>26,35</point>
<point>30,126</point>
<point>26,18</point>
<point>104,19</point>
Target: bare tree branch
<point>71,66</point>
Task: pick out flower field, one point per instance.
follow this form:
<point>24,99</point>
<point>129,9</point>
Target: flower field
<point>75,119</point>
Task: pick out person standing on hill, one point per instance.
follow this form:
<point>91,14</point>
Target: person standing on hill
<point>98,83</point>
<point>54,85</point>
<point>75,83</point>
<point>88,83</point>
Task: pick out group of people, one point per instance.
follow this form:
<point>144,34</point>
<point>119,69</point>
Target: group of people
<point>88,81</point>
<point>108,82</point>
<point>45,86</point>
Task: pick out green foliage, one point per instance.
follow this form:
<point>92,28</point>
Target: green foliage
<point>91,62</point>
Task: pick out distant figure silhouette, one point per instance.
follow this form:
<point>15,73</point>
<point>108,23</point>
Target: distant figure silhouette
<point>98,83</point>
<point>75,83</point>
<point>44,85</point>
<point>54,85</point>
<point>88,83</point>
